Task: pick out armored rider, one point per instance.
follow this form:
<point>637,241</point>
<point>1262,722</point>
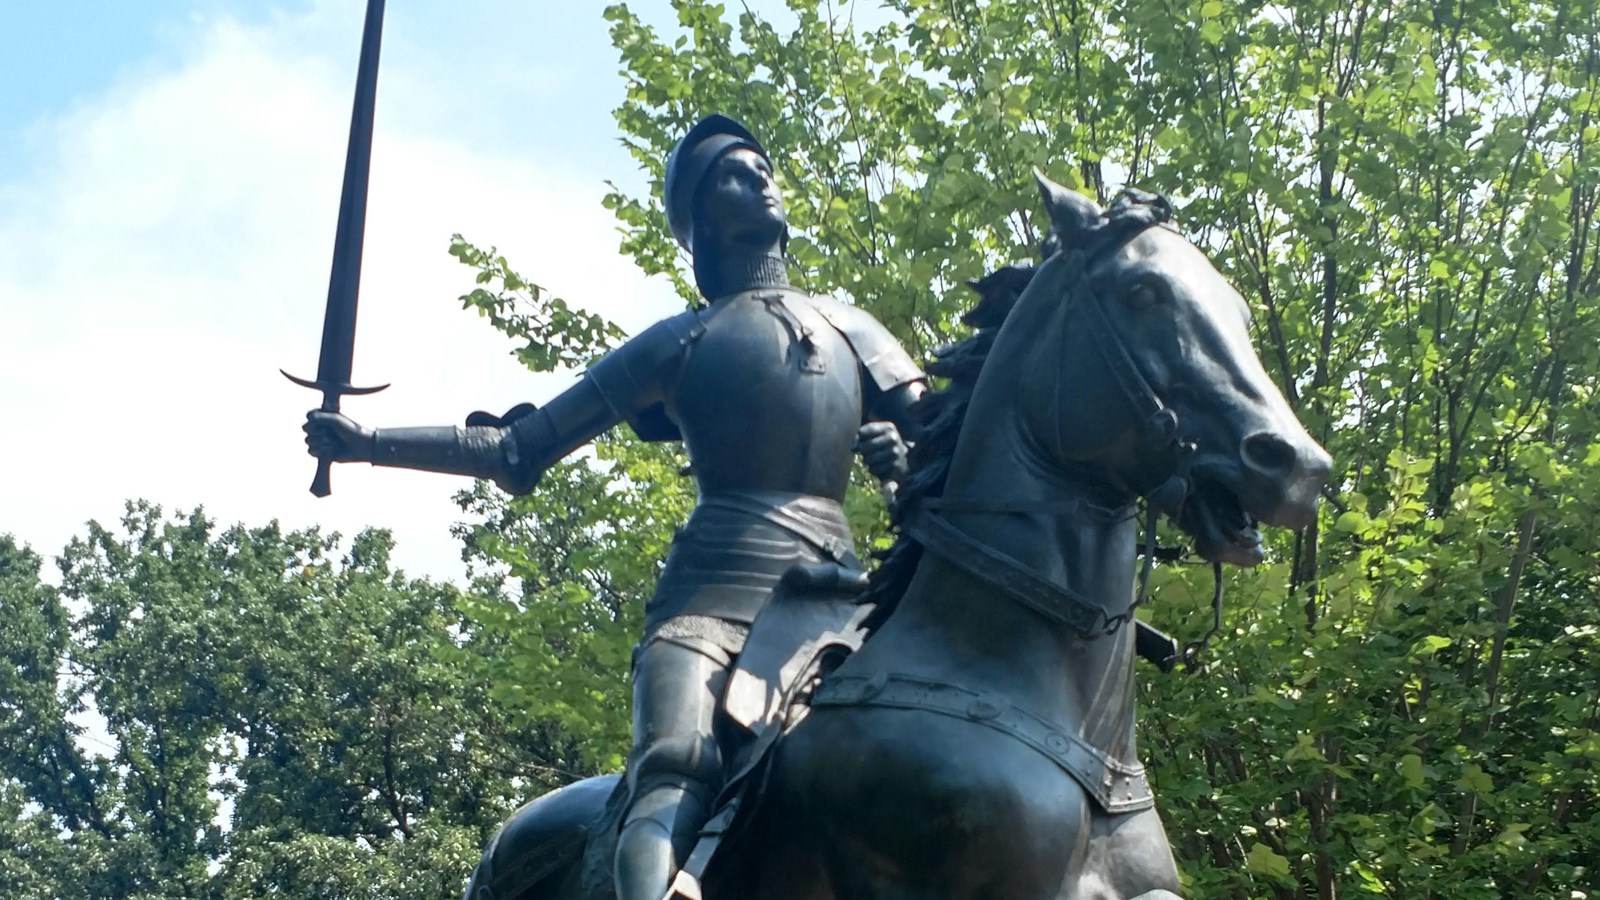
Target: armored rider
<point>770,390</point>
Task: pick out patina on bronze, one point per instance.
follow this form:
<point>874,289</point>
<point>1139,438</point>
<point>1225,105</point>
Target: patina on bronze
<point>980,743</point>
<point>771,391</point>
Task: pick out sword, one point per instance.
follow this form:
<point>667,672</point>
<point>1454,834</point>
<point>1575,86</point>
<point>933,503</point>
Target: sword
<point>344,282</point>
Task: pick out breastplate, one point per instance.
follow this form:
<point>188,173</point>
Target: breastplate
<point>768,398</point>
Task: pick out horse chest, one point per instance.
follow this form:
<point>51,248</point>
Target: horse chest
<point>936,798</point>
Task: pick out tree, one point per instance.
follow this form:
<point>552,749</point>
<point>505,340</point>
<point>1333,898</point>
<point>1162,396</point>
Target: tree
<point>49,783</point>
<point>228,713</point>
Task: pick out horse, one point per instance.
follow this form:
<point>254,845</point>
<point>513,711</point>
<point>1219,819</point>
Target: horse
<point>981,742</point>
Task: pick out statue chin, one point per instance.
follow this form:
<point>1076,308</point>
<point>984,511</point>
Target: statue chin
<point>761,234</point>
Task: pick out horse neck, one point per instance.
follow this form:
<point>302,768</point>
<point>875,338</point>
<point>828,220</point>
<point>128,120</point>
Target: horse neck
<point>1028,401</point>
<point>984,639</point>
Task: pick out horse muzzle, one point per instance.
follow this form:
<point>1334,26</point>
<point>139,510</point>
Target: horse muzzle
<point>1280,479</point>
<point>1272,480</point>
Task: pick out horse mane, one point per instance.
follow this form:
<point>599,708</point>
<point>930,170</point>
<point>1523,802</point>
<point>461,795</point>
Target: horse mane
<point>941,413</point>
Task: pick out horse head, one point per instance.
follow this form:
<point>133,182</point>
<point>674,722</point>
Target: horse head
<point>1159,388</point>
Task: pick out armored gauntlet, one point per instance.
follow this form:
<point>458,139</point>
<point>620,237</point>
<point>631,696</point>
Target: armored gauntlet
<point>477,451</point>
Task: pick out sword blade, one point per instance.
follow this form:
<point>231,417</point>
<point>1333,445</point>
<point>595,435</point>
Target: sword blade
<point>344,280</point>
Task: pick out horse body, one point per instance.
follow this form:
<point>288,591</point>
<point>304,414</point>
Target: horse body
<point>968,762</point>
<point>946,808</point>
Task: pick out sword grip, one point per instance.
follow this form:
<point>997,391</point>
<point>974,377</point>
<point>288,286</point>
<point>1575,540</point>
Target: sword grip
<point>320,486</point>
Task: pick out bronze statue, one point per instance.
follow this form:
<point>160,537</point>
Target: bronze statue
<point>980,742</point>
<point>771,390</point>
<point>964,728</point>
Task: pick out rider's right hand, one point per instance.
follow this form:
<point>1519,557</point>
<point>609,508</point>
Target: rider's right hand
<point>330,435</point>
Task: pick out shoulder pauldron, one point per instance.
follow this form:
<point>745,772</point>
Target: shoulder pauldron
<point>884,360</point>
<point>629,375</point>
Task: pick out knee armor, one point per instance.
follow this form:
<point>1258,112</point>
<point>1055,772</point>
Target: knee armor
<point>692,762</point>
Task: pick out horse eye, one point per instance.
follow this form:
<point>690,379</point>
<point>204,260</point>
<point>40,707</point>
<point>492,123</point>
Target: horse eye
<point>1141,294</point>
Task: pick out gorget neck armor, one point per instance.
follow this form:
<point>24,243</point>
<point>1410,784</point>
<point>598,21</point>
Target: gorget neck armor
<point>732,273</point>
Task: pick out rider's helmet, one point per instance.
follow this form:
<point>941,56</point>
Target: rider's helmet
<point>694,156</point>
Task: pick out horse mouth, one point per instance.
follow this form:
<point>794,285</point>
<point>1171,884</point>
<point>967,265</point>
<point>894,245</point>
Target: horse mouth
<point>1223,531</point>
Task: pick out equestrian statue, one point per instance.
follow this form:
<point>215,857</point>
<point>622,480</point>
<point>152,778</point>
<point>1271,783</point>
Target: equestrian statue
<point>960,724</point>
<point>964,726</point>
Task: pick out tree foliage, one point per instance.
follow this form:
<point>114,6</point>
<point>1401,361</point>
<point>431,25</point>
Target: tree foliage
<point>233,713</point>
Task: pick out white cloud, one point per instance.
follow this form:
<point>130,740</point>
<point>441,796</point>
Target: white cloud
<point>167,252</point>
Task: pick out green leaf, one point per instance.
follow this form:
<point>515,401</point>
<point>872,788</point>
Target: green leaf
<point>1352,521</point>
<point>1305,749</point>
<point>1429,645</point>
<point>1475,780</point>
<point>1412,771</point>
<point>1261,860</point>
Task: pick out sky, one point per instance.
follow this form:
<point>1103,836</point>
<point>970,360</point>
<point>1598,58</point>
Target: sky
<point>169,183</point>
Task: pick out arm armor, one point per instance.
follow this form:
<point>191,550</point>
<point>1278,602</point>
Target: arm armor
<point>886,363</point>
<point>473,451</point>
<point>894,382</point>
<point>632,377</point>
<point>538,438</point>
<point>515,449</point>
<point>512,450</point>
<point>897,406</point>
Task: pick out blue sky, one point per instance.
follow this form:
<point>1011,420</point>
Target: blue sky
<point>545,56</point>
<point>52,54</point>
<point>169,178</point>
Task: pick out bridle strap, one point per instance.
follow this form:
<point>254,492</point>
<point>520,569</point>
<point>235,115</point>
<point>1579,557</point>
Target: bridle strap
<point>1135,388</point>
<point>1069,506</point>
<point>1056,603</point>
<point>1158,421</point>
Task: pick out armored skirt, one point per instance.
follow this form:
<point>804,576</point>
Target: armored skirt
<point>728,558</point>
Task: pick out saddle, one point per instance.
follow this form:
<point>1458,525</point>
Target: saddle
<point>814,619</point>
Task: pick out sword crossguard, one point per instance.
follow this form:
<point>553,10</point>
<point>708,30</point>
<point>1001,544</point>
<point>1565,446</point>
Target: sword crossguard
<point>321,484</point>
<point>333,390</point>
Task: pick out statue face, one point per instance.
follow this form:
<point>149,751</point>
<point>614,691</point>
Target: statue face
<point>739,201</point>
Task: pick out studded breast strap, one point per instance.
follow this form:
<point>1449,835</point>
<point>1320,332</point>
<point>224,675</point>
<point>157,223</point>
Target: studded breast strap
<point>1115,785</point>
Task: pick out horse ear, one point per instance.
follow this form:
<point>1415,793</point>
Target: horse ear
<point>1070,212</point>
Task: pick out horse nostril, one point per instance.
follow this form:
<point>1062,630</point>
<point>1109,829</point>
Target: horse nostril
<point>1269,454</point>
